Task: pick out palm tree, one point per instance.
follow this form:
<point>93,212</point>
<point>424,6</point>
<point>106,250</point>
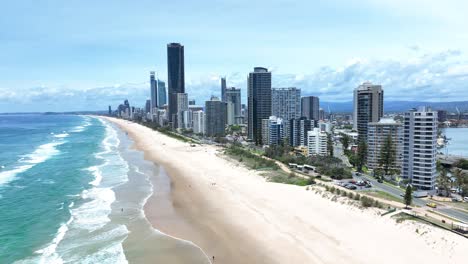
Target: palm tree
<point>443,182</point>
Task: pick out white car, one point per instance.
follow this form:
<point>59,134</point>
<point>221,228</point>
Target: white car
<point>465,199</point>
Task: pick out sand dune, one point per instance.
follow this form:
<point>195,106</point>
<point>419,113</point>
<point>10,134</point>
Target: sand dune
<point>238,217</point>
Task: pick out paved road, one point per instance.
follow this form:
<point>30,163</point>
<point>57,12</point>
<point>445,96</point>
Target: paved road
<point>397,192</point>
<point>338,153</point>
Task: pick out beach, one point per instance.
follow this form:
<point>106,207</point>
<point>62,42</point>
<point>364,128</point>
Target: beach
<point>235,215</point>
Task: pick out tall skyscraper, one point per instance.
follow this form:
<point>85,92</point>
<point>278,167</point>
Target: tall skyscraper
<point>110,110</point>
<point>368,107</point>
<point>182,107</point>
<point>198,120</point>
<point>259,102</point>
<point>420,148</point>
<point>162,95</point>
<point>377,135</point>
<point>215,117</point>
<point>233,100</point>
<point>154,91</point>
<point>175,78</point>
<point>148,106</point>
<point>310,107</point>
<point>286,103</point>
<point>223,89</point>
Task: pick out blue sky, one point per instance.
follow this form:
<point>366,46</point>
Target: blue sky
<point>77,55</point>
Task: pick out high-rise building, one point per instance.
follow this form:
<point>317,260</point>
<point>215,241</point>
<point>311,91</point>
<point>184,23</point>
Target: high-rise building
<point>368,107</point>
<point>286,104</point>
<point>191,102</point>
<point>377,134</point>
<point>148,106</point>
<point>215,117</point>
<point>182,107</point>
<point>310,106</point>
<point>317,142</point>
<point>441,116</point>
<point>153,90</point>
<point>259,102</point>
<point>275,130</point>
<point>198,120</point>
<point>175,78</point>
<point>162,95</point>
<point>223,89</point>
<point>420,148</point>
<point>298,128</point>
<point>110,110</point>
<point>233,100</point>
<point>321,114</point>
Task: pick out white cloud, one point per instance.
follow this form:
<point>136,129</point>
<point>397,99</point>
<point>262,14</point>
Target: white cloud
<point>441,76</point>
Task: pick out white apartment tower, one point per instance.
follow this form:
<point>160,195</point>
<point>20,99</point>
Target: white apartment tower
<point>377,134</point>
<point>420,148</point>
<point>198,120</point>
<point>317,142</point>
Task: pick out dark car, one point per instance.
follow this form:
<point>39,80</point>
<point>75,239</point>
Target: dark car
<point>380,180</point>
<point>351,187</point>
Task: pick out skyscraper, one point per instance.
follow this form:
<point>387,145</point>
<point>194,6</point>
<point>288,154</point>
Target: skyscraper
<point>162,95</point>
<point>223,89</point>
<point>259,102</point>
<point>198,120</point>
<point>110,110</point>
<point>368,107</point>
<point>310,107</point>
<point>215,117</point>
<point>175,78</point>
<point>233,100</point>
<point>420,148</point>
<point>298,128</point>
<point>148,106</point>
<point>182,107</point>
<point>286,103</point>
<point>154,91</point>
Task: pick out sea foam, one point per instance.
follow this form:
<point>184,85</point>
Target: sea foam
<point>39,155</point>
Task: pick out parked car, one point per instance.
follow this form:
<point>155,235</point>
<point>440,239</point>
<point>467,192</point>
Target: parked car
<point>432,205</point>
<point>465,199</point>
<point>351,187</point>
<point>380,180</point>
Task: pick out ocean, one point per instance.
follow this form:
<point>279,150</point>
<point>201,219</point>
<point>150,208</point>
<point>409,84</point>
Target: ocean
<point>72,190</point>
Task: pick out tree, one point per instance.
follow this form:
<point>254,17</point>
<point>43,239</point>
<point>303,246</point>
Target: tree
<point>459,178</point>
<point>387,155</point>
<point>408,195</point>
<point>361,158</point>
<point>329,145</point>
<point>443,182</point>
<point>345,140</point>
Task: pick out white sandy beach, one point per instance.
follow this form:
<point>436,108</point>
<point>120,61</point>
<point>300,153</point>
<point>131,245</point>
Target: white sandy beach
<point>238,217</point>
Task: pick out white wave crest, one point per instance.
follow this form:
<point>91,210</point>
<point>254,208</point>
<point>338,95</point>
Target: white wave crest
<point>49,254</point>
<point>39,155</point>
<point>63,135</point>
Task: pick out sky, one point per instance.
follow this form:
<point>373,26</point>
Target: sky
<point>85,55</point>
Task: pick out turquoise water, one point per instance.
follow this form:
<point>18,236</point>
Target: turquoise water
<point>55,190</point>
<point>458,144</point>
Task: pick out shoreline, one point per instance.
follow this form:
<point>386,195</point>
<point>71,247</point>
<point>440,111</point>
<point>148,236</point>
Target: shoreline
<point>235,215</point>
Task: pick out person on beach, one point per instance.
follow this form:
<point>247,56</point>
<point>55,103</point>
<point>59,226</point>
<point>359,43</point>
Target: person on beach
<point>213,259</point>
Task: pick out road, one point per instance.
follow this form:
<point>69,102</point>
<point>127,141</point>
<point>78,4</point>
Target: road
<point>397,192</point>
<point>338,153</point>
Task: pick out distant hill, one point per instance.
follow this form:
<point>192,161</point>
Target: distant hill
<point>398,106</point>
